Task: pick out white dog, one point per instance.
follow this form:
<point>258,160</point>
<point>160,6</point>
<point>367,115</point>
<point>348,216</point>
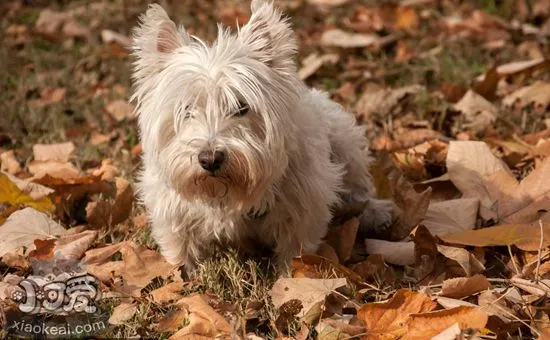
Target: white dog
<point>237,150</point>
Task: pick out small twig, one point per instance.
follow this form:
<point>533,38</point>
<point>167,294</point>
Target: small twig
<point>540,251</point>
<point>512,259</point>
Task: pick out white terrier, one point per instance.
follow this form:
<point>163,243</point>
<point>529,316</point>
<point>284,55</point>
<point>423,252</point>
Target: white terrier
<point>237,150</point>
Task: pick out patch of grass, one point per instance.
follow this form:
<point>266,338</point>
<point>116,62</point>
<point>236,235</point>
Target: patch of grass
<point>245,283</point>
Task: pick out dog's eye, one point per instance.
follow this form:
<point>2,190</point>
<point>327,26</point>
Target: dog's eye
<point>242,110</point>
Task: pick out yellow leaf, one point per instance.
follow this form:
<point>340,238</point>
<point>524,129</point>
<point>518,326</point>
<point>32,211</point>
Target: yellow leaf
<point>11,194</point>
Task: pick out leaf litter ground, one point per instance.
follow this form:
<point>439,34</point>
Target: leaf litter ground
<point>454,96</point>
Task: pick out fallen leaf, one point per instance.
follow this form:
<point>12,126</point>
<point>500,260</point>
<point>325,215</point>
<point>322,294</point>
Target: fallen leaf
<point>398,253</point>
<point>15,259</point>
<point>374,267</point>
<point>461,287</point>
<point>381,102</point>
<point>168,293</point>
<point>520,202</point>
<point>342,238</point>
<point>25,193</point>
<point>313,266</point>
<point>427,325</point>
<point>452,333</point>
<point>412,206</point>
<point>120,110</point>
<point>55,169</point>
<point>339,38</point>
<point>313,62</point>
<point>406,18</point>
<point>467,261</point>
<point>112,212</point>
<point>109,36</point>
<point>308,291</point>
<point>137,268</point>
<point>493,304</point>
<point>330,3</point>
<point>468,164</point>
<point>25,226</point>
<point>73,246</point>
<point>479,114</point>
<point>106,172</point>
<point>516,67</point>
<point>49,96</point>
<point>203,320</point>
<point>425,254</point>
<point>122,313</point>
<point>9,163</point>
<point>387,320</point>
<point>524,236</point>
<point>536,95</point>
<point>451,216</point>
<point>53,152</point>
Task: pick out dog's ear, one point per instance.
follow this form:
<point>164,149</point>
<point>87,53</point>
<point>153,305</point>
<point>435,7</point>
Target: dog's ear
<point>269,37</point>
<point>155,37</point>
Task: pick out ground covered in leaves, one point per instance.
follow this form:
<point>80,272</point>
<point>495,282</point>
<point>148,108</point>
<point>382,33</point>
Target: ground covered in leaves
<point>454,96</point>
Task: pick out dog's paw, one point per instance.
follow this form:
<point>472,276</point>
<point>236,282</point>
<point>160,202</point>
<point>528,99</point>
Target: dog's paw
<point>377,216</point>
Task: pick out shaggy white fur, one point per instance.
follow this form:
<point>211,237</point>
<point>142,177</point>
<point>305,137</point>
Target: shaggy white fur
<point>236,149</point>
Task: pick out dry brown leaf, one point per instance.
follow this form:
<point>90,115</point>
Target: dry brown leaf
<point>330,3</point>
<point>493,304</point>
<point>203,320</point>
<point>16,259</point>
<point>461,287</point>
<point>521,66</point>
<point>398,253</point>
<point>519,202</point>
<point>451,216</point>
<point>9,163</point>
<point>109,36</point>
<point>466,260</point>
<point>120,110</point>
<point>168,293</point>
<point>374,267</point>
<point>343,238</point>
<point>137,268</point>
<point>387,320</point>
<point>49,96</point>
<point>339,38</point>
<point>122,313</point>
<point>536,95</point>
<point>107,171</point>
<point>478,112</point>
<point>55,169</point>
<point>327,251</point>
<point>468,164</point>
<point>427,325</point>
<point>60,152</point>
<point>381,102</point>
<point>524,236</point>
<point>111,212</point>
<point>308,291</point>
<point>25,226</point>
<point>97,138</point>
<point>406,18</point>
<point>333,329</point>
<point>314,61</point>
<point>73,246</point>
<point>313,266</point>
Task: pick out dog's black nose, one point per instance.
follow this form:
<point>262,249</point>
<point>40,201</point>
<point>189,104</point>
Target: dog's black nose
<point>211,161</point>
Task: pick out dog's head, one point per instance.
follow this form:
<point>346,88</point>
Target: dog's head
<point>215,117</point>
